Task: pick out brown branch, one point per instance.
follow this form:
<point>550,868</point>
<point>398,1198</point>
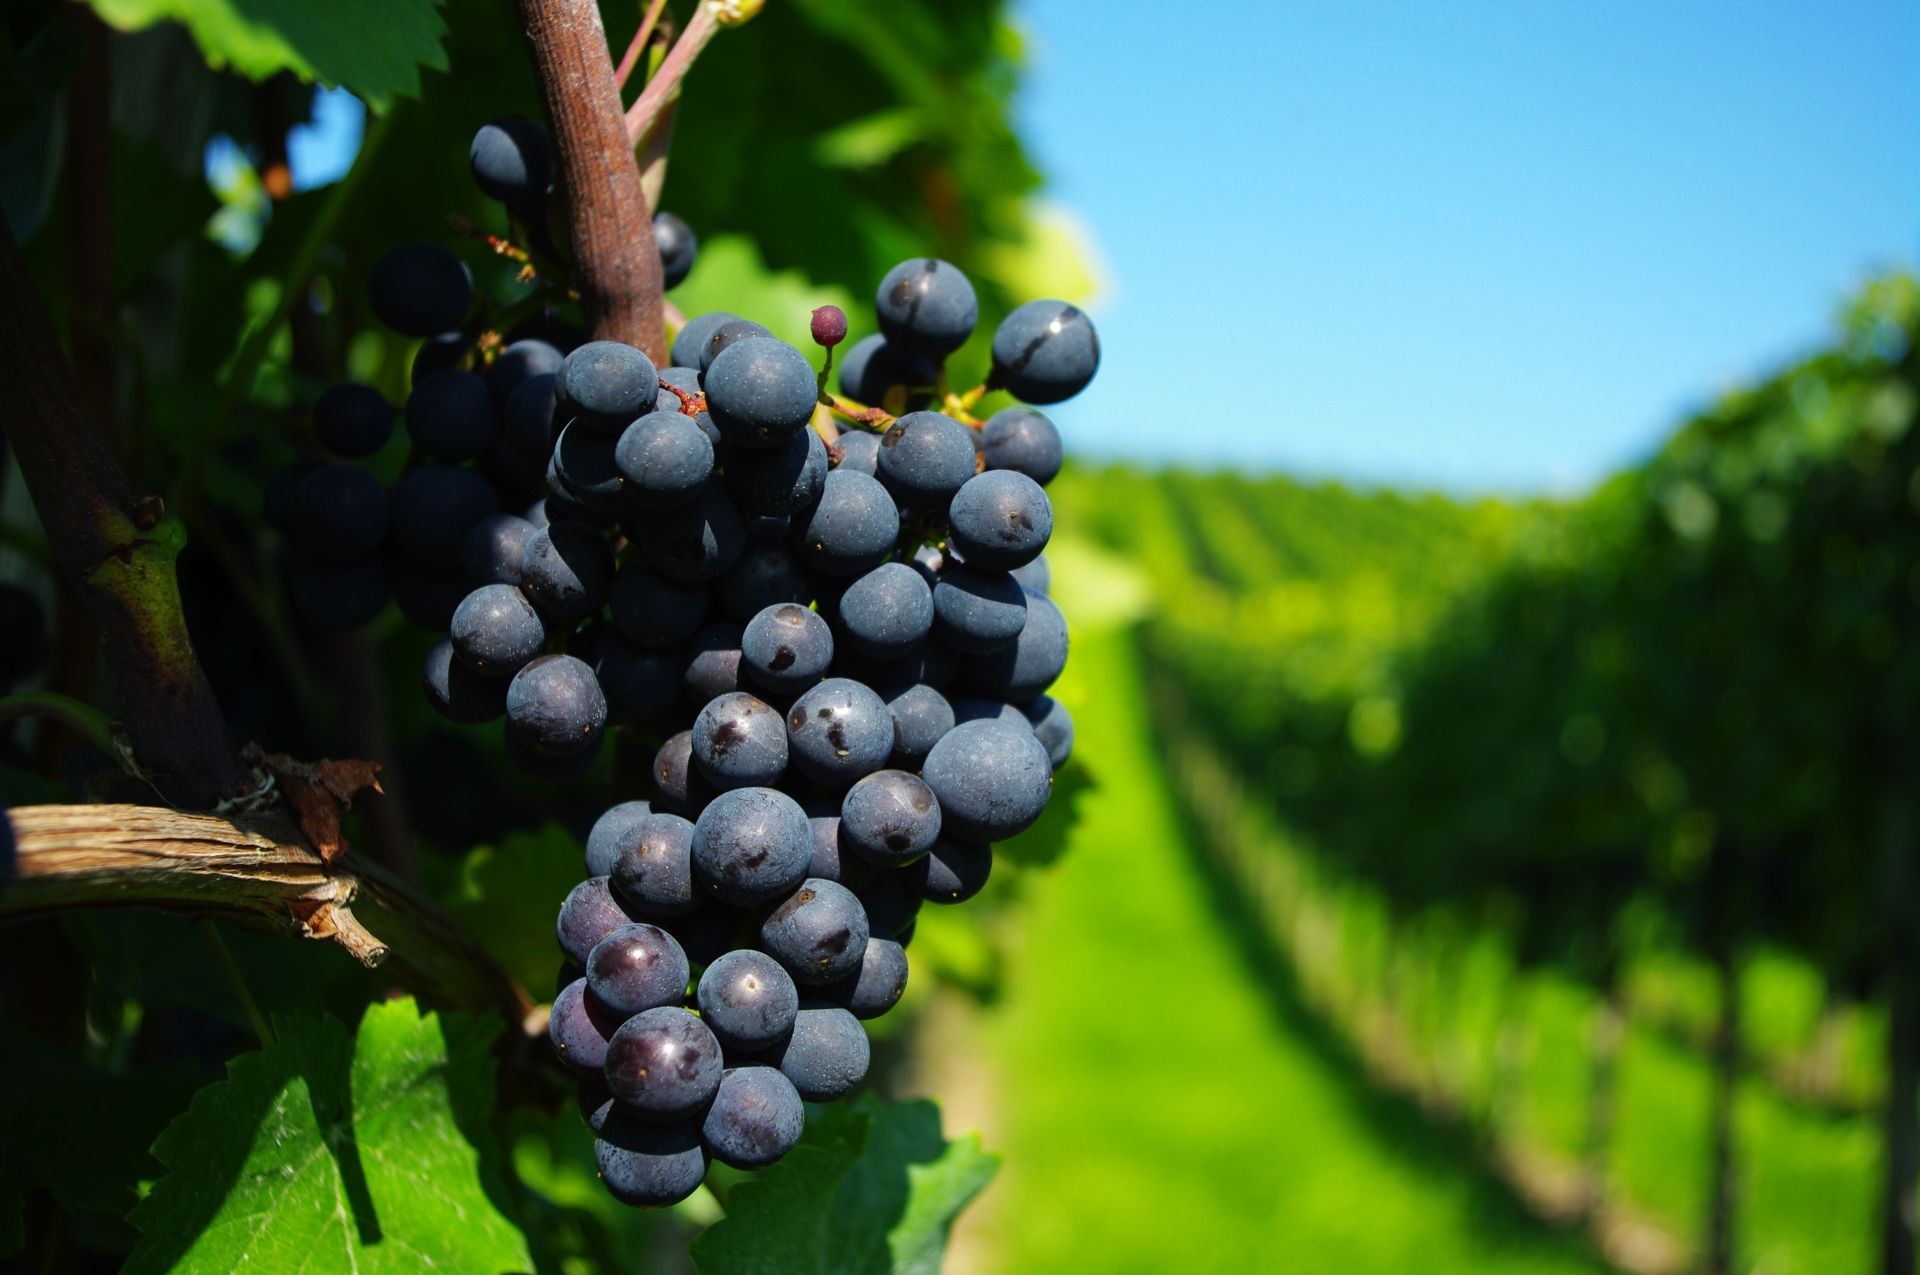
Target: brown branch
<point>616,264</point>
<point>115,549</point>
<point>257,872</point>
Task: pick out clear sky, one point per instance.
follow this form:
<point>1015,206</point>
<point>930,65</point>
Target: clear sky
<point>1481,243</point>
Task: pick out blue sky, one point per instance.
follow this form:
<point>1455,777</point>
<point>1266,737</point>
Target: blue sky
<point>1480,245</point>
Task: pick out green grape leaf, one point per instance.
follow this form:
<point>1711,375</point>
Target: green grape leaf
<point>322,1153</point>
<point>873,1188</point>
<point>375,48</point>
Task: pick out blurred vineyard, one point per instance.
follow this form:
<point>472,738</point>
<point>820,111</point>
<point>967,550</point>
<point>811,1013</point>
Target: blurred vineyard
<point>1586,824</point>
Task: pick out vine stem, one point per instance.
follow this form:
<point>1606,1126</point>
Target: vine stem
<point>665,84</point>
<point>82,719</point>
<point>638,44</point>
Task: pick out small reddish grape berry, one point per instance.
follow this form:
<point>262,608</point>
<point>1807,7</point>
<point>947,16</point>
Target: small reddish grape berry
<point>829,325</point>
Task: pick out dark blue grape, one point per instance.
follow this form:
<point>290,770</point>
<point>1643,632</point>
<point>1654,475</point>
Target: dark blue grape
<point>428,598</point>
<point>978,611</point>
<point>653,611</point>
<point>652,866</point>
<point>708,932</point>
<point>338,595</point>
<point>663,1063</point>
<point>890,818</point>
<point>724,337</point>
<point>1000,520</point>
<point>778,480</point>
<point>578,1028</point>
<point>1052,726</point>
<point>548,768</point>
<point>872,370</point>
<point>519,363</point>
<point>419,289</point>
<point>640,685</point>
<point>512,161</point>
<point>838,731</point>
<point>921,715</point>
<point>338,514</point>
<point>682,789</point>
<point>851,530</point>
<point>636,968</point>
<point>713,662</point>
<point>760,392</point>
<point>587,461</point>
<point>458,693</point>
<point>765,575</point>
<point>437,353</point>
<point>609,384</point>
<point>646,1165</point>
<point>878,984</point>
<point>677,247</point>
<point>926,306</point>
<point>892,901</point>
<point>756,1118</point>
<point>786,648</point>
<point>826,1053</point>
<point>858,452</point>
<point>1021,439</point>
<point>751,846</point>
<point>433,509</point>
<point>953,871</point>
<point>747,1000</point>
<point>526,418</point>
<point>694,542</point>
<point>1034,577</point>
<point>450,416</point>
<point>981,709</point>
<point>495,548</point>
<point>740,742</point>
<point>351,419</point>
<point>589,913</point>
<point>495,630</point>
<point>555,708</point>
<point>925,458</point>
<point>1045,351</point>
<point>932,665</point>
<point>992,779</point>
<point>1028,667</point>
<point>692,339</point>
<point>609,832</point>
<point>819,932</point>
<point>665,460</point>
<point>831,860</point>
<point>567,569</point>
<point>887,612</point>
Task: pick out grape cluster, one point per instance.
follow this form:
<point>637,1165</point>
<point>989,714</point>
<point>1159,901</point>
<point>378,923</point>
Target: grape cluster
<point>842,643</point>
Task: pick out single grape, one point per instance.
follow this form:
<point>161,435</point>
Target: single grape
<point>458,693</point>
<point>555,708</point>
<point>428,597</point>
<point>751,845</point>
<point>828,325</point>
<point>851,530</point>
<point>979,709</point>
<point>351,419</point>
<point>713,662</point>
<point>600,507</point>
<point>826,1053</point>
<point>512,161</point>
<point>338,514</point>
<point>878,984</point>
<point>588,462</point>
<point>589,913</point>
<point>1045,351</point>
<point>1000,520</point>
<point>609,384</point>
<point>952,871</point>
<point>760,392</point>
<point>609,832</point>
<point>694,542</point>
<point>682,789</point>
<point>831,860</point>
<point>786,648</point>
<point>874,370</point>
<point>890,818</point>
<point>766,574</point>
<point>756,1118</point>
<point>819,932</point>
<point>778,480</point>
<point>419,289</point>
<point>888,611</point>
<point>723,338</point>
<point>636,968</point>
<point>495,630</point>
<point>519,363</point>
<point>739,742</point>
<point>649,1165</point>
<point>692,339</point>
<point>653,611</point>
<point>926,306</point>
<point>992,779</point>
<point>1021,439</point>
<point>432,510</point>
<point>1034,577</point>
<point>1052,726</point>
<point>665,460</point>
<point>495,548</point>
<point>931,665</point>
<point>921,715</point>
<point>838,731</point>
<point>640,685</point>
<point>578,1028</point>
<point>892,901</point>
<point>925,457</point>
<point>567,569</point>
<point>1028,667</point>
<point>858,452</point>
<point>652,867</point>
<point>747,1000</point>
<point>450,416</point>
<point>677,247</point>
<point>663,1063</point>
<point>978,611</point>
<point>527,417</point>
